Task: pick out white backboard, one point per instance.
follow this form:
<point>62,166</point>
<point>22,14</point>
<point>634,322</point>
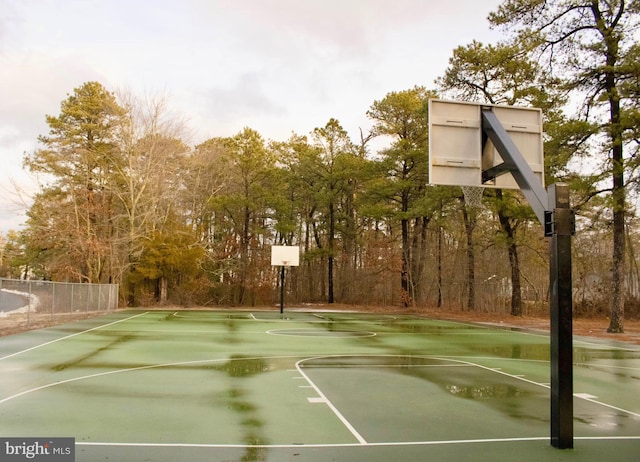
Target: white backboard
<point>456,156</point>
<point>285,255</point>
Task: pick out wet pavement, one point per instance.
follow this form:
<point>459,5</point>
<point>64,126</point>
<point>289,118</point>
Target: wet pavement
<point>194,385</point>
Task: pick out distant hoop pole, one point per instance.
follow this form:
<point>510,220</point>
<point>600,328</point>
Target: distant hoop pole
<point>284,263</point>
<point>284,255</point>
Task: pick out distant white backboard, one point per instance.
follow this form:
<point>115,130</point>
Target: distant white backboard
<point>285,255</point>
<point>456,156</point>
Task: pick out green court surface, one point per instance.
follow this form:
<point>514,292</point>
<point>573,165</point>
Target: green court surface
<point>310,386</point>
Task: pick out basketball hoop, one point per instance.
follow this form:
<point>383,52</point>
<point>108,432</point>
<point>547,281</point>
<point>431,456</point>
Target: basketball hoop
<point>285,255</point>
<point>473,196</point>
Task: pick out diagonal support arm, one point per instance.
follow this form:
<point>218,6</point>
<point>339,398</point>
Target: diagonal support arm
<point>521,171</point>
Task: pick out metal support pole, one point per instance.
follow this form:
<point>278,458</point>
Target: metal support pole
<point>553,209</point>
<point>282,289</point>
<point>560,223</point>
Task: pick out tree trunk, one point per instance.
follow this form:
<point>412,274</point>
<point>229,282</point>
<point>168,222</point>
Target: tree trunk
<point>404,271</point>
<point>516,292</point>
<point>469,226</point>
<point>307,262</point>
<point>418,250</point>
<point>516,289</point>
<point>162,289</point>
<point>616,324</point>
<point>330,296</point>
<point>439,258</point>
<point>405,294</point>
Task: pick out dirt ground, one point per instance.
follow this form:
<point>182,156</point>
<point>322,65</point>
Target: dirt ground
<point>581,326</point>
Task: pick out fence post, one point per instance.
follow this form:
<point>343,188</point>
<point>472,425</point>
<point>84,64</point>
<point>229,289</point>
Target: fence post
<point>29,307</point>
<point>53,300</point>
<point>113,288</point>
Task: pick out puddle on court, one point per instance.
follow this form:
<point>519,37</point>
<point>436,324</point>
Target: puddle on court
<point>240,366</point>
<point>490,391</point>
<point>538,352</point>
<point>521,404</point>
<point>590,354</point>
<point>477,339</point>
<point>504,395</point>
<point>431,328</point>
<point>315,332</point>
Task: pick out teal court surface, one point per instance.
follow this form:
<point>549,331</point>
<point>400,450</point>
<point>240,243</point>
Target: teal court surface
<point>310,386</point>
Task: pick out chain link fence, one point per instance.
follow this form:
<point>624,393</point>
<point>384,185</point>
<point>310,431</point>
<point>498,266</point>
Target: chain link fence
<point>32,303</point>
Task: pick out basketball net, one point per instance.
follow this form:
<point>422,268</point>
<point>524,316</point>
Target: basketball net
<point>473,196</point>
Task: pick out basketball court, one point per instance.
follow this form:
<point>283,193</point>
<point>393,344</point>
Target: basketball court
<point>310,386</point>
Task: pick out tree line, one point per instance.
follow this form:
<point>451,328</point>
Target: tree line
<point>124,199</point>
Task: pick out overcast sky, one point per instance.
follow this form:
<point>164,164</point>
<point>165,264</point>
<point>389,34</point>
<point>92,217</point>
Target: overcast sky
<point>277,66</point>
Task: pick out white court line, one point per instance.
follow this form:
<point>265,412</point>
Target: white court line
<point>389,366</point>
<point>347,445</point>
<point>585,397</point>
<point>72,335</point>
<point>75,379</point>
<point>335,410</point>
